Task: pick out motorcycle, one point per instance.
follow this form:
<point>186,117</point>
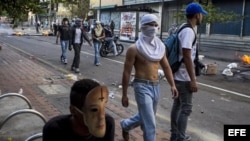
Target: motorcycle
<point>105,49</point>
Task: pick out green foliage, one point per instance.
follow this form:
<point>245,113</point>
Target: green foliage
<point>18,10</point>
<point>215,15</point>
<point>78,8</point>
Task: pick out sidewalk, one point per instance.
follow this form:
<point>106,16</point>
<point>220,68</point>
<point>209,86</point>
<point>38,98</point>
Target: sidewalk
<point>19,70</point>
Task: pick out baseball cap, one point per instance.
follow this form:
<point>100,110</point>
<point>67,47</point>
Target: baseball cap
<point>194,8</point>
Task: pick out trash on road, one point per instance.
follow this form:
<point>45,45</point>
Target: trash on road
<point>232,65</point>
<point>111,95</point>
<point>71,76</point>
<point>211,68</point>
<point>20,91</point>
<point>227,72</point>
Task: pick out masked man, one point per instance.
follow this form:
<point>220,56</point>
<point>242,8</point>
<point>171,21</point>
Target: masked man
<point>88,120</point>
<point>64,34</point>
<point>78,34</point>
<point>146,56</point>
<point>98,34</point>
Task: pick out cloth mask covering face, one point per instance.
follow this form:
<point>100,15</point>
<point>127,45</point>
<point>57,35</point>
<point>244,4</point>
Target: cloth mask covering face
<point>148,30</point>
<point>78,24</point>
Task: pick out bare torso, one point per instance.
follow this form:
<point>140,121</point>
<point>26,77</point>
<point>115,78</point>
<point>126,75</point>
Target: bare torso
<point>145,69</point>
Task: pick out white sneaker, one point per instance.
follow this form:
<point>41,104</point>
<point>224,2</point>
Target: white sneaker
<point>65,61</point>
<point>97,64</point>
<point>77,70</point>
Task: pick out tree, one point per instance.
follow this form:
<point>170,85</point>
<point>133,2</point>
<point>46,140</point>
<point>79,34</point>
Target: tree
<point>78,8</point>
<point>214,14</point>
<point>18,10</point>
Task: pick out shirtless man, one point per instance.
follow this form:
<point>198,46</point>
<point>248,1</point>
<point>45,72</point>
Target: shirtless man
<point>146,56</point>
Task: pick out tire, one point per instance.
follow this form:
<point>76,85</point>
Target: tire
<point>103,52</point>
<point>120,49</point>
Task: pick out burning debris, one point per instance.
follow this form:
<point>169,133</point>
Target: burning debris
<point>245,59</point>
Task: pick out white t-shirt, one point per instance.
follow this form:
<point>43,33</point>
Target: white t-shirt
<point>78,36</point>
<point>186,37</point>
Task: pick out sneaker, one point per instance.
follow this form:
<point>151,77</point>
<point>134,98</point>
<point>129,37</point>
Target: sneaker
<point>125,135</point>
<point>65,61</point>
<point>97,64</point>
<point>73,68</point>
<point>62,59</point>
<point>188,138</point>
<point>77,70</point>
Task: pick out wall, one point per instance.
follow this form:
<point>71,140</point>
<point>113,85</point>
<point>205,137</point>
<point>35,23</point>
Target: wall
<point>96,3</point>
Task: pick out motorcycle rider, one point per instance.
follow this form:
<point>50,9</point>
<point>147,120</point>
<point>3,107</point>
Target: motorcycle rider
<point>110,39</point>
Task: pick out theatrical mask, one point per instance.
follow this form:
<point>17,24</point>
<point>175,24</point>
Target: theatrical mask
<point>94,111</point>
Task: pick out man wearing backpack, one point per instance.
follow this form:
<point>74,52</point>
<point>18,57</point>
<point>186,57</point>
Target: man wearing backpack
<point>185,76</point>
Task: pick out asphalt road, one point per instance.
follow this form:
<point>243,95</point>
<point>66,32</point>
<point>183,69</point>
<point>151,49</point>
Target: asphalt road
<point>221,100</point>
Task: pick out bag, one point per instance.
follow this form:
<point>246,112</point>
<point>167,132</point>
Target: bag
<point>172,49</point>
<point>198,65</point>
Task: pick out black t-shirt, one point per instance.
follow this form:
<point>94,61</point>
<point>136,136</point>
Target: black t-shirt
<point>64,32</point>
<point>59,129</point>
<point>107,32</point>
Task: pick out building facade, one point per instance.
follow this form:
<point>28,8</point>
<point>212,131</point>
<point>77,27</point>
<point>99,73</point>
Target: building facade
<point>166,11</point>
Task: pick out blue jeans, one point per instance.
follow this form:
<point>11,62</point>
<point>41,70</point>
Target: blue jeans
<point>146,96</point>
<point>97,46</point>
<point>64,46</point>
<point>111,44</point>
<point>181,109</point>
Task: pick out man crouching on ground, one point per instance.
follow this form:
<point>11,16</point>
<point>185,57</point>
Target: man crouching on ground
<point>146,56</point>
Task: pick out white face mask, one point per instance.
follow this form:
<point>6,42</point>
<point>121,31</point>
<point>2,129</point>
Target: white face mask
<point>66,23</point>
<point>149,31</point>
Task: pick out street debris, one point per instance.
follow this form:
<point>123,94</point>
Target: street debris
<point>71,76</point>
<point>20,91</point>
<point>228,71</point>
<point>210,69</point>
<point>232,65</point>
<point>111,95</point>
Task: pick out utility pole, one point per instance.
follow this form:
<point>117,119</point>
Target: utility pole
<point>49,20</point>
<point>162,7</point>
<point>99,15</point>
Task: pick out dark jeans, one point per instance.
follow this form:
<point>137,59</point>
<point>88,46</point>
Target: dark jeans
<point>77,50</point>
<point>181,109</point>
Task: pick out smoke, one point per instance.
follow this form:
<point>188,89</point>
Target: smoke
<point>5,29</point>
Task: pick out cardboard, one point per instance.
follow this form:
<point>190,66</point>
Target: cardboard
<point>211,69</point>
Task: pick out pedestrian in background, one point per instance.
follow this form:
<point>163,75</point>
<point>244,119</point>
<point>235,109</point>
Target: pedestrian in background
<point>109,37</point>
<point>185,77</point>
<point>98,34</point>
<point>112,26</point>
<point>64,34</point>
<point>146,56</point>
<point>78,36</point>
<point>172,29</point>
<point>87,120</point>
